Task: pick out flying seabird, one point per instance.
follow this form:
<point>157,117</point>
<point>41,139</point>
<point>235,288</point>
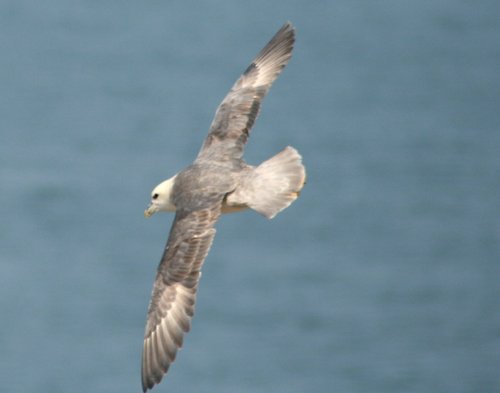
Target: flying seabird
<point>218,181</point>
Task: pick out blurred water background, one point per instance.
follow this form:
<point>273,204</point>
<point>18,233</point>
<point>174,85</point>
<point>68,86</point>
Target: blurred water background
<point>383,276</point>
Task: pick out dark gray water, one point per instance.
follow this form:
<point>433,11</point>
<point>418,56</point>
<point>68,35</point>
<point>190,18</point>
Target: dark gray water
<point>383,276</point>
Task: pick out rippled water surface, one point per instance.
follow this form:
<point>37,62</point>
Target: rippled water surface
<point>382,277</point>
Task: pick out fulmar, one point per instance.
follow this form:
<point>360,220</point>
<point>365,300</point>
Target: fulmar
<point>218,181</point>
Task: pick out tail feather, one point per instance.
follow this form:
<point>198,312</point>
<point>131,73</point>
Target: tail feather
<point>273,185</point>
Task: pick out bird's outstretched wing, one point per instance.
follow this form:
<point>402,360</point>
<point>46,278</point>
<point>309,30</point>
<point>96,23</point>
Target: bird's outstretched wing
<point>174,290</point>
<point>236,114</point>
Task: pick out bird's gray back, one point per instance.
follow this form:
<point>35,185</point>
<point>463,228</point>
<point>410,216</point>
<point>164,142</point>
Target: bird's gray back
<point>198,185</point>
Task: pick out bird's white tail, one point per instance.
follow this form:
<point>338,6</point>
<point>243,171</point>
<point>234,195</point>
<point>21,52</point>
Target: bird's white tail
<point>273,185</point>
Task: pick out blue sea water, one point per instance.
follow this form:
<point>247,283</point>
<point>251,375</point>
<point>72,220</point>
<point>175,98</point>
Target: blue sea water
<point>382,277</point>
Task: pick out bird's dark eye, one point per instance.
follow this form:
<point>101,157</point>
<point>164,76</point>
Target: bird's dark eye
<point>155,196</point>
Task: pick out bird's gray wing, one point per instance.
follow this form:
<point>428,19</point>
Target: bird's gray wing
<point>174,291</point>
<point>236,114</point>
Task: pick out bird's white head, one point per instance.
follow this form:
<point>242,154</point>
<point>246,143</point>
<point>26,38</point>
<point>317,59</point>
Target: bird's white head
<point>161,198</point>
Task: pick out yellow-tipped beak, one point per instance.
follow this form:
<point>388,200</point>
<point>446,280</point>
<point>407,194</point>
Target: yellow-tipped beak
<point>150,211</point>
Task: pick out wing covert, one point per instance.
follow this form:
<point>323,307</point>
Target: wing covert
<point>236,114</point>
<point>174,291</point>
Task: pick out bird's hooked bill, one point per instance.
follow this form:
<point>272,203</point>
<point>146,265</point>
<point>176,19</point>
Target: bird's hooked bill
<point>149,211</point>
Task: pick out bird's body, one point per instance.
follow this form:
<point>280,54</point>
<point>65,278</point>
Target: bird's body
<point>218,181</point>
